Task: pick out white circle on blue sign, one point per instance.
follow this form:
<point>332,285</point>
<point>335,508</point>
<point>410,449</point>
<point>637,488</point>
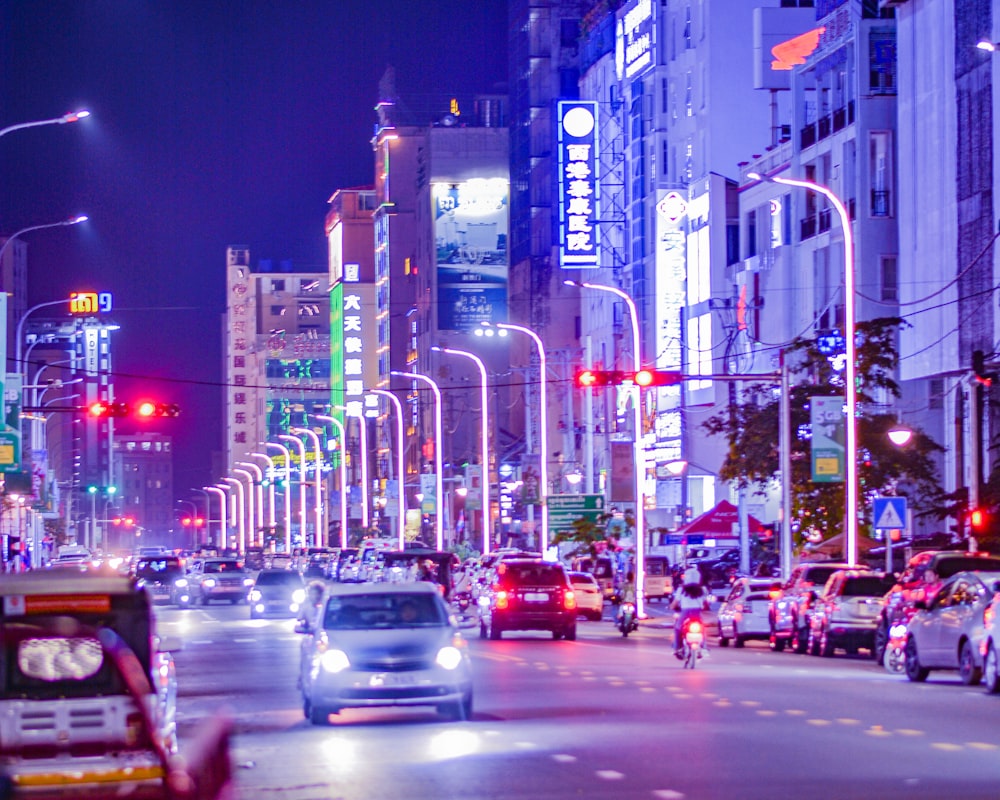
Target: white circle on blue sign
<point>578,122</point>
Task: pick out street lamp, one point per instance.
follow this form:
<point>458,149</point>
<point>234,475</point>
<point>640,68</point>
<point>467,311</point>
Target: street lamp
<point>320,538</point>
<point>484,457</point>
<point>270,487</point>
<point>438,465</point>
<point>18,337</point>
<point>288,491</point>
<point>851,389</point>
<point>71,221</point>
<point>639,453</point>
<point>988,45</point>
<point>223,517</point>
<point>250,540</point>
<point>543,436</point>
<point>343,474</point>
<point>241,520</point>
<point>73,116</point>
<point>302,483</point>
<point>401,521</point>
<point>363,459</point>
<point>258,482</point>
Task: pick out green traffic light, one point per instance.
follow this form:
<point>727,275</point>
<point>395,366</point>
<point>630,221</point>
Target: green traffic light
<point>92,489</point>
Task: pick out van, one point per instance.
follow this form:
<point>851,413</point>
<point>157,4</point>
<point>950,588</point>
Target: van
<point>87,697</point>
<point>368,564</point>
<point>658,584</point>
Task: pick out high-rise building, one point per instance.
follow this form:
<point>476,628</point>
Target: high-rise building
<point>141,510</point>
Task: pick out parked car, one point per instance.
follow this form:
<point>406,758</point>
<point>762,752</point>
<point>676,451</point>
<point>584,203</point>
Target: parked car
<point>989,647</point>
<point>744,614</point>
<point>528,595</point>
<point>789,611</point>
<point>277,591</point>
<point>219,579</point>
<point>163,577</point>
<point>386,644</point>
<point>947,631</point>
<point>912,585</point>
<point>589,597</point>
<point>845,613</point>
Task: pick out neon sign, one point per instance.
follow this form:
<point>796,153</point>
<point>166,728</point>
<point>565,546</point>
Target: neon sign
<point>634,40</point>
<point>90,303</point>
<point>794,51</point>
<point>578,187</point>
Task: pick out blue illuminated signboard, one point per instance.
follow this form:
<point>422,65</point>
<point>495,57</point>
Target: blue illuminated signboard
<point>578,187</point>
<point>634,40</point>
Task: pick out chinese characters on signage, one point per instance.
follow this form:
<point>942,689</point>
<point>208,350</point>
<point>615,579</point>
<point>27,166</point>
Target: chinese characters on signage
<point>578,188</point>
<point>354,345</point>
<point>470,232</point>
<point>239,353</point>
<point>634,40</point>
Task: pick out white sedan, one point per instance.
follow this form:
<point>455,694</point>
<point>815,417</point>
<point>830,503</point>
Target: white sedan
<point>744,613</point>
<point>589,596</point>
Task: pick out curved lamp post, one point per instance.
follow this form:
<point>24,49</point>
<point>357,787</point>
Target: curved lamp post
<point>270,487</point>
<point>73,116</point>
<point>438,466</point>
<point>241,519</point>
<point>363,459</point>
<point>484,455</point>
<point>258,483</point>
<point>320,537</point>
<point>251,539</point>
<point>851,387</point>
<point>638,450</point>
<point>303,477</point>
<point>288,491</point>
<point>223,517</point>
<point>543,438</point>
<point>401,521</point>
<point>343,474</point>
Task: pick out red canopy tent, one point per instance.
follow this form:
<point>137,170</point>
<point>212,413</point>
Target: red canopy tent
<point>718,523</point>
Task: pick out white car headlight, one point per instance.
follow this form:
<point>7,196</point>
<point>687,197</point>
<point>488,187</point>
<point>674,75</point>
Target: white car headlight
<point>299,596</point>
<point>248,581</point>
<point>255,595</point>
<point>334,661</point>
<point>449,657</point>
<point>208,583</point>
<point>180,583</point>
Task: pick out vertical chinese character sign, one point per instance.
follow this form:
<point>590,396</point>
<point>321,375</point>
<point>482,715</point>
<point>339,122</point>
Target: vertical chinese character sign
<point>577,181</point>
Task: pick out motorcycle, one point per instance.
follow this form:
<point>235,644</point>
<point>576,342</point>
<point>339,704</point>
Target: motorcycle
<point>627,619</point>
<point>894,659</point>
<point>692,642</point>
<point>462,601</point>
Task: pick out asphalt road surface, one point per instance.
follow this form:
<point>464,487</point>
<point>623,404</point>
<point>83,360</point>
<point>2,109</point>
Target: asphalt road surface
<point>602,717</point>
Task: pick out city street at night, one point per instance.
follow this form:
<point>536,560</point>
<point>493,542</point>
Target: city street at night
<point>596,718</point>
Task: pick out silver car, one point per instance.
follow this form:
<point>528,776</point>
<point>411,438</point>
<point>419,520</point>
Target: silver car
<point>948,631</point>
<point>386,644</point>
<point>745,612</point>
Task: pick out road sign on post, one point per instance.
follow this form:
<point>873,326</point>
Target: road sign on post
<point>565,509</point>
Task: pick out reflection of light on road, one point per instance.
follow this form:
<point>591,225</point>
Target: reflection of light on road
<point>340,753</point>
<point>256,623</point>
<point>452,743</point>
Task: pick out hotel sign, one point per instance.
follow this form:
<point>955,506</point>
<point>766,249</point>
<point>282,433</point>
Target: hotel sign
<point>578,187</point>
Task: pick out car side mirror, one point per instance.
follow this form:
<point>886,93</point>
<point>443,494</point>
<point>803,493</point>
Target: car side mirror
<point>303,627</point>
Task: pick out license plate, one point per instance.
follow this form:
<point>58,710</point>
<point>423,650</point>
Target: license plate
<point>535,597</point>
<point>391,679</point>
<point>694,639</point>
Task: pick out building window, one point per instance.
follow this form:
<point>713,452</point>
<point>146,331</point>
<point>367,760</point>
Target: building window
<point>277,286</point>
<point>687,28</point>
<point>935,400</point>
<point>882,61</point>
<point>278,311</point>
<point>880,169</point>
<point>688,96</point>
<point>890,279</point>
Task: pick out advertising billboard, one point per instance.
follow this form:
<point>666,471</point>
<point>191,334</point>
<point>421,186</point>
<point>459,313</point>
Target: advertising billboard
<point>576,146</point>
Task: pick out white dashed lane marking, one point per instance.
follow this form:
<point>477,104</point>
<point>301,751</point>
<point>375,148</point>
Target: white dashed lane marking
<point>609,774</point>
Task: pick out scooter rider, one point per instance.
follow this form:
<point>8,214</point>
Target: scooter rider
<point>626,594</point>
<point>688,603</point>
<point>310,608</point>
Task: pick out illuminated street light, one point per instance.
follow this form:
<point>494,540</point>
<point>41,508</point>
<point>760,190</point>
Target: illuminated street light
<point>899,435</point>
<point>241,519</point>
<point>987,45</point>
<point>438,465</point>
<point>223,517</point>
<point>639,452</point>
<point>62,223</point>
<point>484,454</point>
<point>251,507</point>
<point>320,536</point>
<point>73,116</point>
<point>543,422</point>
<point>363,460</point>
<point>851,388</point>
<point>302,483</point>
<point>343,473</point>
<point>288,491</point>
<point>271,522</point>
<point>400,468</point>
<point>258,483</point>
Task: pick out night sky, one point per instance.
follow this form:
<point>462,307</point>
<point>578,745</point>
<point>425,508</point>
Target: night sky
<point>215,123</point>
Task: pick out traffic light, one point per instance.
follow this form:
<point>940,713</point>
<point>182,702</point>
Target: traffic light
<point>126,522</point>
<point>656,377</point>
<point>979,368</point>
<point>148,408</point>
<point>101,409</point>
<point>589,378</point>
<point>977,519</point>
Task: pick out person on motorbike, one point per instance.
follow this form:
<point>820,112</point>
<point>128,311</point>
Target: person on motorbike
<point>688,604</point>
<point>310,608</point>
<point>626,594</point>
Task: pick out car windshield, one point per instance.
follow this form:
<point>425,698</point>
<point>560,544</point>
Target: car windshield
<point>656,567</point>
<point>819,575</point>
<point>866,586</point>
<point>279,578</point>
<point>222,566</point>
<point>947,567</point>
<point>582,578</point>
<point>148,568</point>
<point>384,610</point>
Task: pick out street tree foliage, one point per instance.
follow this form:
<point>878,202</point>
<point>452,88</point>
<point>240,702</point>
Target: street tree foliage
<point>751,429</point>
<point>591,536</point>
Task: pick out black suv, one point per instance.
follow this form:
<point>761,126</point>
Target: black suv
<point>528,595</point>
<point>163,577</point>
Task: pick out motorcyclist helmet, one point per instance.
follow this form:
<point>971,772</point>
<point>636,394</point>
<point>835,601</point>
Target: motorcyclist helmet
<point>692,576</point>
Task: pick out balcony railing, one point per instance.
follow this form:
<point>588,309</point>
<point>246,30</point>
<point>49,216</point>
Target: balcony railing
<point>880,202</point>
<point>837,120</point>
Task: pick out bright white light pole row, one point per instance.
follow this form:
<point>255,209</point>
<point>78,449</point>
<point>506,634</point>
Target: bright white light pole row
<point>270,486</point>
<point>343,473</point>
<point>257,484</point>
<point>401,511</point>
<point>851,389</point>
<point>251,535</point>
<point>288,490</point>
<point>639,452</point>
<point>438,465</point>
<point>73,116</point>
<point>320,536</point>
<point>484,453</point>
<point>241,519</point>
<point>303,478</point>
<point>223,516</point>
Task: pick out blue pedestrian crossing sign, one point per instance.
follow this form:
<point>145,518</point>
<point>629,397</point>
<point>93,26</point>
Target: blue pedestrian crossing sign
<point>890,513</point>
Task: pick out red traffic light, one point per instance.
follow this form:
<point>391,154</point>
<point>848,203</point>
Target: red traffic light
<point>128,522</point>
<point>588,378</point>
<point>146,408</point>
<point>977,518</point>
<point>100,409</point>
<point>656,377</point>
